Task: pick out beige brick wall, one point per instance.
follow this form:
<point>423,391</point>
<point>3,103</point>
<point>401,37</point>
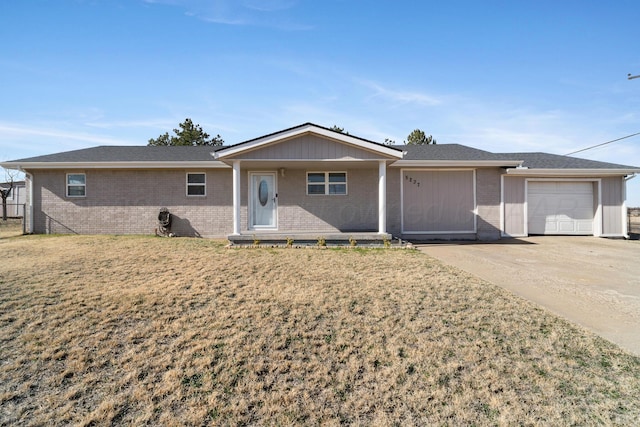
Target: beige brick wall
<point>128,202</point>
<point>356,211</point>
<point>612,199</point>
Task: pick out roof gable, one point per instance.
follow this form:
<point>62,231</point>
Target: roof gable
<point>322,136</point>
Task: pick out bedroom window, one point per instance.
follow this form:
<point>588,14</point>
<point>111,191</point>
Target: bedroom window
<point>196,184</point>
<point>326,183</point>
<point>76,185</point>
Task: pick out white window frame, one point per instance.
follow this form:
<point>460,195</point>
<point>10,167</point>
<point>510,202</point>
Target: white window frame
<point>199,184</point>
<point>326,183</point>
<point>84,186</point>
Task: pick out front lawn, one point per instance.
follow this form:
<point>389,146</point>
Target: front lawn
<point>152,331</point>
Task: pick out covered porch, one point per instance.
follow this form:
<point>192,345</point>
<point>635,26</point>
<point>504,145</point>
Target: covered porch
<point>309,183</point>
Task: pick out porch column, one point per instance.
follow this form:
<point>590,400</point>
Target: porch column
<point>382,197</point>
<point>236,197</point>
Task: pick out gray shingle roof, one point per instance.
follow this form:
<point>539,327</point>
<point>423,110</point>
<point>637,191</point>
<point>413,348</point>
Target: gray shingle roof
<point>452,152</point>
<point>448,152</point>
<point>555,161</point>
<point>128,154</point>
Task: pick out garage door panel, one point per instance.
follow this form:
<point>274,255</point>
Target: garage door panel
<point>550,226</point>
<point>566,226</point>
<point>561,207</point>
<point>585,227</point>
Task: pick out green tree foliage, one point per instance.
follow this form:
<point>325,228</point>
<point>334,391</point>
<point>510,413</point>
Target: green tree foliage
<point>337,128</point>
<point>418,137</point>
<point>188,134</point>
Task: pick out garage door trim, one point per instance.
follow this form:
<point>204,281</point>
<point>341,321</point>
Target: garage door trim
<point>597,214</point>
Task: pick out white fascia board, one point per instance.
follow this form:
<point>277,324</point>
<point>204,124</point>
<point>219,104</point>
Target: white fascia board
<point>282,136</point>
<point>456,163</point>
<point>343,159</point>
<point>117,165</point>
<point>571,172</point>
<point>11,166</point>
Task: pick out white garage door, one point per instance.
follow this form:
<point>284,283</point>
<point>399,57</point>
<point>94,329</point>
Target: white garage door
<point>560,207</point>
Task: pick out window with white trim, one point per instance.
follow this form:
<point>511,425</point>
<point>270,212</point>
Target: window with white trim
<point>196,184</point>
<point>326,183</point>
<point>76,185</point>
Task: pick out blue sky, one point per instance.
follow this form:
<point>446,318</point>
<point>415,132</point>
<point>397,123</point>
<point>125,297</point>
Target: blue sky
<point>497,75</point>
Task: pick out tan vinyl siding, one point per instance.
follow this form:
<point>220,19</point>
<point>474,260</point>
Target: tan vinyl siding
<point>514,197</point>
<point>438,201</point>
<point>128,202</point>
<point>488,202</point>
<point>394,208</point>
<point>612,205</point>
<point>308,147</point>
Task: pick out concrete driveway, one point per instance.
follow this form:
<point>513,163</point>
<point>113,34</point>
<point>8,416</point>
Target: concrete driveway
<point>590,281</point>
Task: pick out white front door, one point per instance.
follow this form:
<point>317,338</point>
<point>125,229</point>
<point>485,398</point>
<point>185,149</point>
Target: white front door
<point>263,201</point>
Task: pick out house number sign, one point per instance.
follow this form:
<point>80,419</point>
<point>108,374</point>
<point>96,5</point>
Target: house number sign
<point>412,180</point>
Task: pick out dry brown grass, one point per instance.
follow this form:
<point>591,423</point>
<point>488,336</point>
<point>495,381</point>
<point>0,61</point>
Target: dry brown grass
<point>150,331</point>
<point>10,228</point>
